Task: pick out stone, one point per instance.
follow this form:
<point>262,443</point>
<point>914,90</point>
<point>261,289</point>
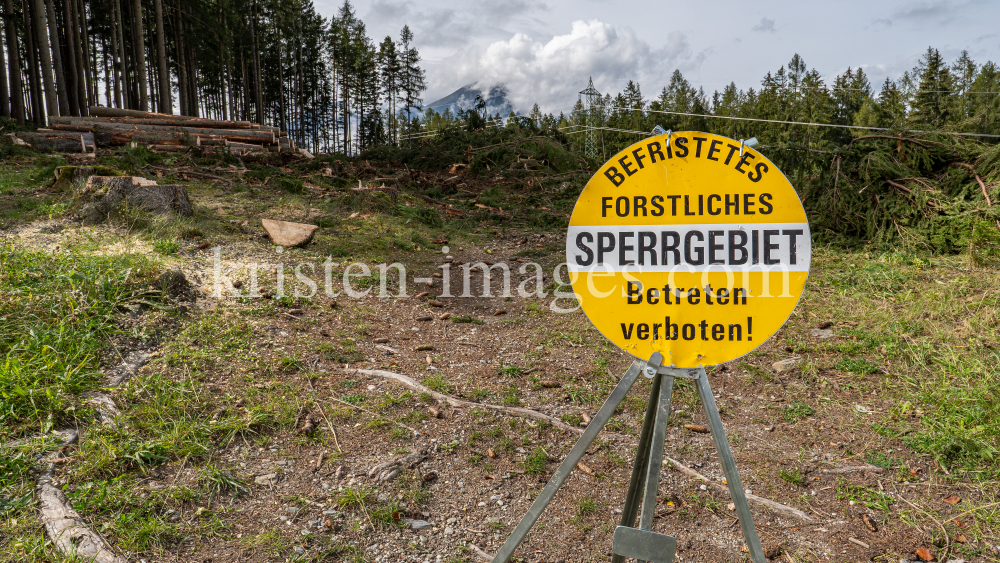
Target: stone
<point>785,365</point>
<point>268,480</point>
<point>417,524</point>
<point>821,333</point>
<point>449,531</point>
<point>284,233</point>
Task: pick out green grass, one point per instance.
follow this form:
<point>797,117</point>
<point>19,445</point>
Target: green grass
<point>57,312</point>
<point>871,498</point>
<point>166,246</point>
<point>437,382</point>
<point>796,411</point>
<point>535,462</point>
<point>793,476</point>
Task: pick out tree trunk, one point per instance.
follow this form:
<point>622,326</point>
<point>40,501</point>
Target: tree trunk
<point>259,91</point>
<point>87,78</point>
<point>115,80</point>
<point>107,71</point>
<point>45,62</point>
<point>139,46</point>
<point>181,66</point>
<point>166,98</point>
<point>123,89</point>
<point>4,93</point>
<point>36,93</point>
<point>57,63</point>
<point>16,88</point>
<point>74,87</point>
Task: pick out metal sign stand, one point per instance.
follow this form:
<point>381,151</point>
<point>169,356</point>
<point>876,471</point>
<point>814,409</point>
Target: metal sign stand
<point>641,543</point>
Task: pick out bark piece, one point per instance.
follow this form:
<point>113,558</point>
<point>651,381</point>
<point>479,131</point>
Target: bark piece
<point>285,233</point>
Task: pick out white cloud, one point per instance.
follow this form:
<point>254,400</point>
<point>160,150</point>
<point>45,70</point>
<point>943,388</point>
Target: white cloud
<point>552,72</point>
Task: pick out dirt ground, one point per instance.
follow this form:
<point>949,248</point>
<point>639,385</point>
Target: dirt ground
<point>307,486</point>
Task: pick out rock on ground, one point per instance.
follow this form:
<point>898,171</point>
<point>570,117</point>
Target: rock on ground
<point>285,233</point>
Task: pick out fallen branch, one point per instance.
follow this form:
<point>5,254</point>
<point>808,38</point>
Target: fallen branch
<point>855,468</point>
<point>458,403</point>
<point>323,414</point>
<point>947,538</point>
<point>773,505</point>
<point>982,186</point>
<point>900,186</point>
<point>480,553</point>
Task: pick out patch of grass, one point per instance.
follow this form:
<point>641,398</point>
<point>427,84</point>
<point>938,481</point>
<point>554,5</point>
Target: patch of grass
<point>535,462</point>
<point>292,363</point>
<point>355,497</point>
<point>166,246</point>
<point>57,311</point>
<point>510,371</point>
<point>354,399</point>
<point>585,506</point>
<point>467,319</point>
<point>437,382</point>
<point>793,476</point>
<point>871,498</point>
<point>477,394</point>
<point>217,481</point>
<point>879,459</point>
<point>510,397</point>
<point>796,411</point>
<point>572,419</point>
<point>859,366</point>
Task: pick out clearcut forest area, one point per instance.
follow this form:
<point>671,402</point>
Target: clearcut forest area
<point>182,379</point>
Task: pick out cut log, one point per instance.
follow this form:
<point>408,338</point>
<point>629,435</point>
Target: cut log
<point>136,114</point>
<point>239,135</point>
<point>68,121</point>
<point>58,141</point>
<point>169,148</point>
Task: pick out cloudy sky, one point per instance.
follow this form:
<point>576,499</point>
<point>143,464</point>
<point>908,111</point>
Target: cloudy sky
<point>544,50</point>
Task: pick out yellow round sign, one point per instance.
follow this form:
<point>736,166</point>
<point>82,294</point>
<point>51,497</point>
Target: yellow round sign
<point>690,245</point>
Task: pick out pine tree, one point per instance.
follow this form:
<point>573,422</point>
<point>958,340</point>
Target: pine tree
<point>931,100</point>
<point>412,79</point>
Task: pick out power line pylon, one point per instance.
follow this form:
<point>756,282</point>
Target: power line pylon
<point>591,100</point>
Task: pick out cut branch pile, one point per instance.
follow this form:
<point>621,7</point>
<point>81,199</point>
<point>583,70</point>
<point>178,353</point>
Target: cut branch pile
<point>112,127</point>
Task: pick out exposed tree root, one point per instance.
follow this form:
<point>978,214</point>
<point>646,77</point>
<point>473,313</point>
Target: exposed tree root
<point>459,403</point>
<point>782,509</point>
<point>69,533</point>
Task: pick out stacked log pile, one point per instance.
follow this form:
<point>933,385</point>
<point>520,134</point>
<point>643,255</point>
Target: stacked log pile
<point>113,127</point>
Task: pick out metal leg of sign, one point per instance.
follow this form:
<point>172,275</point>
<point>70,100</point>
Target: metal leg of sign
<point>566,467</point>
<point>729,468</point>
<point>635,483</point>
<point>656,454</point>
<point>641,543</point>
